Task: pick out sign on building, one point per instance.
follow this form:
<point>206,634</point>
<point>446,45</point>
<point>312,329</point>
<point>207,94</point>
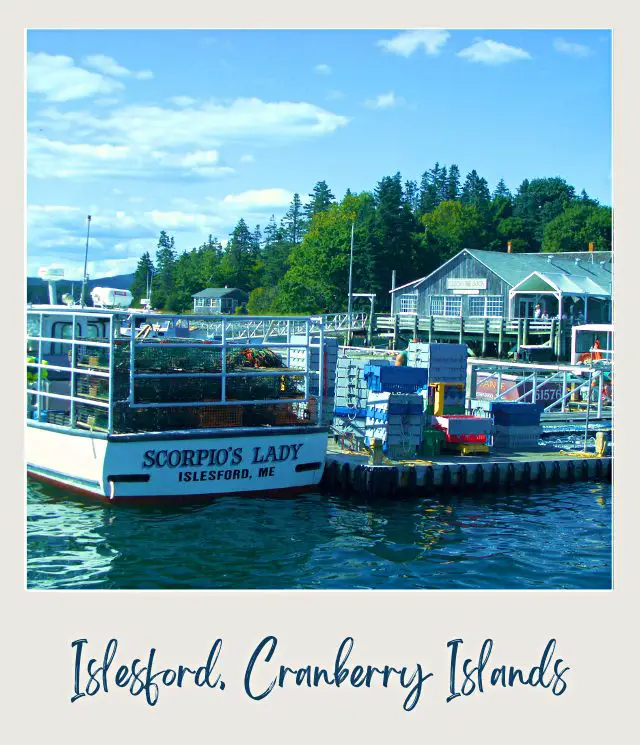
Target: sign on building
<point>456,283</point>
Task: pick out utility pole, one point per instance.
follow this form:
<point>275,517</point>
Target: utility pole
<point>86,255</point>
<point>353,225</point>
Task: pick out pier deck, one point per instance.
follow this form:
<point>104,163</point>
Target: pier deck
<point>347,472</point>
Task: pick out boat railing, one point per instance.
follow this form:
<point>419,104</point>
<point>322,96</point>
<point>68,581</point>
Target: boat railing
<point>106,373</point>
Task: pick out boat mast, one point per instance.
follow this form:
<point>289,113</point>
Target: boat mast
<point>86,254</point>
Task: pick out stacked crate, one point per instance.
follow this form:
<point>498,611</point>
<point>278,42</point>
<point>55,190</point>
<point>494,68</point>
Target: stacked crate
<point>461,430</point>
<point>351,394</point>
<point>446,363</point>
<point>298,361</point>
<point>516,425</point>
<point>397,420</point>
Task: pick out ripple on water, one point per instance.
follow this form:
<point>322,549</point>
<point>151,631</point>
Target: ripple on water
<point>554,538</point>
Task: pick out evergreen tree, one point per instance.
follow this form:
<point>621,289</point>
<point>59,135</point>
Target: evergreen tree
<point>430,184</point>
<point>293,221</point>
<point>501,191</point>
<point>238,260</point>
<point>475,191</point>
<point>272,232</point>
<point>412,195</point>
<point>453,184</point>
<point>321,199</point>
<point>442,184</point>
<point>393,233</point>
<point>161,293</point>
<point>142,279</point>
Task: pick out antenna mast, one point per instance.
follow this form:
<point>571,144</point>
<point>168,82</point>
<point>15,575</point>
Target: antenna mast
<point>86,254</point>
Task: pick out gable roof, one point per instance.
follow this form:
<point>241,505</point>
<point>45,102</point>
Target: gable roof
<point>514,267</point>
<point>568,284</point>
<point>218,292</point>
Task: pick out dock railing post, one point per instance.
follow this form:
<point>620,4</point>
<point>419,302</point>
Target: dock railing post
<point>564,392</point>
<point>525,332</point>
<point>72,408</point>
<point>430,328</point>
<point>485,329</point>
<point>599,408</point>
<point>552,338</point>
<point>461,329</point>
<point>473,381</point>
<point>396,330</point>
<point>586,424</point>
<point>499,384</point>
<point>500,337</point>
<point>415,327</point>
<point>519,342</point>
<point>533,388</point>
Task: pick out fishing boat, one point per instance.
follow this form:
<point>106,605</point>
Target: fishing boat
<point>126,406</point>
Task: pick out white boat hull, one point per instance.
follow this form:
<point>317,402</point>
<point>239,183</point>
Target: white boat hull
<point>179,466</point>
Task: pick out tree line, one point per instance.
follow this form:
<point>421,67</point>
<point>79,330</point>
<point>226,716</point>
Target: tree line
<point>301,263</point>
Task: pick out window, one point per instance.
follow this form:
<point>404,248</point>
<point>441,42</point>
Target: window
<point>490,306</point>
<point>495,306</point>
<point>453,305</point>
<point>200,302</point>
<point>409,303</point>
<point>437,305</point>
<point>476,306</point>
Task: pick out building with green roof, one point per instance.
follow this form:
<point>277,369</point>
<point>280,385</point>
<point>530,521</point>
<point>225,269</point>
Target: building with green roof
<point>217,300</point>
<point>573,286</point>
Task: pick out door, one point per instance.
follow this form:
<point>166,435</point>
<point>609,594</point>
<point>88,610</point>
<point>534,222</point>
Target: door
<point>525,308</point>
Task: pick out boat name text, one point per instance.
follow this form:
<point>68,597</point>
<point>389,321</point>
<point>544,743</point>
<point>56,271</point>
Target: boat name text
<point>229,456</point>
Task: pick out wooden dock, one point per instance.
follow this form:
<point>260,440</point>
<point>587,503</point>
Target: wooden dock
<point>502,332</point>
<point>347,472</point>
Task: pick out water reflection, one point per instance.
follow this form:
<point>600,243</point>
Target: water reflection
<point>556,537</point>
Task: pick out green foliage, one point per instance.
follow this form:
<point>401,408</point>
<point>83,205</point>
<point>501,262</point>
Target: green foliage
<point>321,199</point>
<point>540,201</point>
<point>142,279</point>
<point>451,227</point>
<point>163,280</point>
<point>301,265</point>
<point>577,226</point>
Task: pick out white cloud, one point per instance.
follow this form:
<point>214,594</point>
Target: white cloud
<point>155,142</point>
<point>407,42</point>
<point>384,101</point>
<point>106,101</point>
<point>322,69</point>
<point>569,47</point>
<point>108,66</point>
<point>490,52</point>
<point>247,158</point>
<point>56,233</point>
<point>56,159</point>
<point>178,220</point>
<point>57,78</point>
<point>205,125</point>
<point>258,199</point>
<point>182,101</point>
<point>335,95</point>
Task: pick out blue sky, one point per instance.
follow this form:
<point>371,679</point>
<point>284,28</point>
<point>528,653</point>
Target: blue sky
<point>188,131</point>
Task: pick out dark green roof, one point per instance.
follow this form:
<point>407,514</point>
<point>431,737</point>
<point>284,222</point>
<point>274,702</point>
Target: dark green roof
<point>217,292</point>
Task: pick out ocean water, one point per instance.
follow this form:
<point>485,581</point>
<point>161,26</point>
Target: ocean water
<point>553,538</point>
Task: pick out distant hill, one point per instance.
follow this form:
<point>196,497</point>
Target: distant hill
<point>37,291</point>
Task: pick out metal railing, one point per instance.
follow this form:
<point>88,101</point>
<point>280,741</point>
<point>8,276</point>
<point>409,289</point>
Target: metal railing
<point>532,382</point>
<point>230,336</point>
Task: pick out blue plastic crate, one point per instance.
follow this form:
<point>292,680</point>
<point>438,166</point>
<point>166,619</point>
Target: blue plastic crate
<point>515,414</point>
<point>350,412</point>
<point>394,379</point>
